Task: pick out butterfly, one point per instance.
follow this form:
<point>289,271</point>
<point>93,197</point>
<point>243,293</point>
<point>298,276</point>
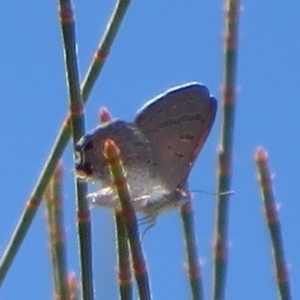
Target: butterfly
<point>158,150</point>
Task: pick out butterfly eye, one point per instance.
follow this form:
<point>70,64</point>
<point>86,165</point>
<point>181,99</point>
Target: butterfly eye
<point>78,157</point>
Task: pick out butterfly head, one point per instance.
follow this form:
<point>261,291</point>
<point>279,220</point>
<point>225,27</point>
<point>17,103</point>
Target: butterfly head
<point>89,161</point>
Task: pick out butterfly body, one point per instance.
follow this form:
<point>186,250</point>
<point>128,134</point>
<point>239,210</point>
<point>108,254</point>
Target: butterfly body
<point>158,149</point>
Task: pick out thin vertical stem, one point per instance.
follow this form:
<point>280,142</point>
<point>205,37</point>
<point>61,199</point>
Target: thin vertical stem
<point>54,208</point>
<point>273,224</point>
<point>225,151</point>
<point>124,261</point>
<point>112,155</point>
<point>77,126</point>
<point>193,267</point>
<point>73,287</point>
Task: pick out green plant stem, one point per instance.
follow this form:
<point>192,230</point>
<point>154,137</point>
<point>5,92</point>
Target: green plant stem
<point>73,287</point>
<point>225,151</point>
<point>273,224</point>
<point>104,47</point>
<point>54,205</point>
<point>60,142</point>
<point>112,155</point>
<point>77,125</point>
<point>193,267</point>
<point>124,261</point>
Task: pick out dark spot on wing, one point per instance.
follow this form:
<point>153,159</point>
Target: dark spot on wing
<point>188,137</point>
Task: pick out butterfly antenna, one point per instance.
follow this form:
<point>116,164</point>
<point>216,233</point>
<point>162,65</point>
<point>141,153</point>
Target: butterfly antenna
<point>226,193</point>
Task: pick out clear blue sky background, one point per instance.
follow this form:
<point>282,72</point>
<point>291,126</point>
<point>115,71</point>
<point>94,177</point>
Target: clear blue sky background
<point>161,44</point>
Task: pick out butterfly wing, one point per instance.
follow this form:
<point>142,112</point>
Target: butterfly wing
<point>91,160</point>
<point>178,123</point>
<point>138,155</point>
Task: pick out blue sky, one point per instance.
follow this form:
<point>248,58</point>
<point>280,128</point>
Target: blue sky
<point>161,44</point>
